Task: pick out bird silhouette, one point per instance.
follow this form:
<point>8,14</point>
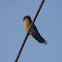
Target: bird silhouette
<point>34,32</point>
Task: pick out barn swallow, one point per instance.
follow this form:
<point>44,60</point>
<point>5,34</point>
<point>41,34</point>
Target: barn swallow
<point>34,32</point>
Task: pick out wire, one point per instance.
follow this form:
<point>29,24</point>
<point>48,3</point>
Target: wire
<point>29,31</point>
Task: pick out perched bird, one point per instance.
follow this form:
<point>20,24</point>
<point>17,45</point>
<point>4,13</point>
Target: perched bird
<point>34,32</point>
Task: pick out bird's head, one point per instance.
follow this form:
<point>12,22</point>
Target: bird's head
<point>27,18</point>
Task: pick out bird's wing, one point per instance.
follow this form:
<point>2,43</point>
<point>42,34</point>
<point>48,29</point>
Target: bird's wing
<point>34,32</point>
<point>29,21</point>
<point>36,35</point>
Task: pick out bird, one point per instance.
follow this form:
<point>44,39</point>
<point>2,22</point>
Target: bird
<point>34,31</point>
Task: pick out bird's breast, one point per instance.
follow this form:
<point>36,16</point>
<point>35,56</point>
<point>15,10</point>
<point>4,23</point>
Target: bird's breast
<point>26,26</point>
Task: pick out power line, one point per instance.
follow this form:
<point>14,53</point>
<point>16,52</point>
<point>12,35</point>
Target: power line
<point>29,31</point>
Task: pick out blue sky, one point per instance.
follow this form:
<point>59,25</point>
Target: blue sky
<point>12,32</point>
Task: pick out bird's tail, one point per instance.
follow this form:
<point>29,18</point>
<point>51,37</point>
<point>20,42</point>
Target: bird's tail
<point>45,42</point>
<point>39,38</point>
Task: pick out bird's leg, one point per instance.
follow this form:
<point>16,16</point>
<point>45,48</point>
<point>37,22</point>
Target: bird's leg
<point>28,32</point>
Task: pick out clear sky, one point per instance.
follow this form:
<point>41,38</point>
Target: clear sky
<point>12,32</point>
